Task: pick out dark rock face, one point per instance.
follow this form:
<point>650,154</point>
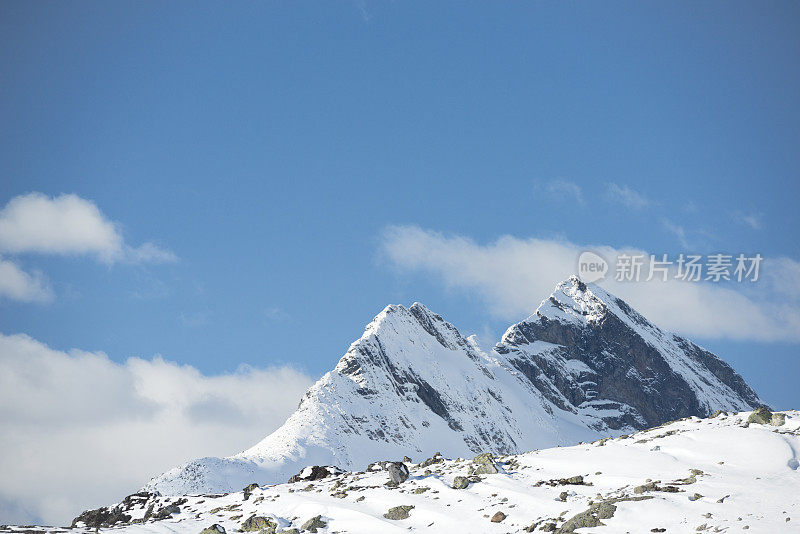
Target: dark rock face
<point>611,357</point>
<point>315,472</point>
<point>121,514</point>
<point>101,518</point>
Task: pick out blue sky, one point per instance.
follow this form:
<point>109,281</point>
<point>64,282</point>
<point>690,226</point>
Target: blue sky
<point>269,146</point>
<point>188,187</point>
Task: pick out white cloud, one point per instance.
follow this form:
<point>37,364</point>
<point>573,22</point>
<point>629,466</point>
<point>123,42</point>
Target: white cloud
<point>68,225</point>
<point>16,284</point>
<point>81,431</point>
<point>626,196</point>
<point>753,220</point>
<point>678,231</point>
<point>149,253</point>
<point>561,189</point>
<point>514,275</point>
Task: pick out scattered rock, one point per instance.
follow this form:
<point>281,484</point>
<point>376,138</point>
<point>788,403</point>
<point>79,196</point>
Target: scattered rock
<point>760,415</point>
<point>167,511</point>
<point>101,518</point>
<point>592,516</point>
<point>484,465</point>
<point>398,512</point>
<point>256,523</point>
<point>313,524</point>
<point>213,529</point>
<point>315,472</point>
<point>249,489</point>
<point>435,459</point>
<point>571,481</point>
<point>498,517</point>
<point>460,482</point>
<point>398,472</point>
<point>653,486</point>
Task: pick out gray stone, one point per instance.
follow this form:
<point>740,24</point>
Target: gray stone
<point>314,523</point>
<point>257,523</point>
<point>761,416</point>
<point>460,482</point>
<point>398,472</point>
<point>484,465</point>
<point>498,517</point>
<point>398,512</point>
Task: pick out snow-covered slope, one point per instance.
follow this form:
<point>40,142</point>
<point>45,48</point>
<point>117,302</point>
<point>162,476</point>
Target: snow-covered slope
<point>584,365</point>
<point>719,474</point>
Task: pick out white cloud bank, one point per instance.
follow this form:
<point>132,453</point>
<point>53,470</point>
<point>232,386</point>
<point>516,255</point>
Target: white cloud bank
<point>68,225</point>
<point>16,284</point>
<point>79,430</point>
<point>514,275</point>
<point>62,225</point>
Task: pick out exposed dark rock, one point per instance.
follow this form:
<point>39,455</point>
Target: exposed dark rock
<point>101,518</point>
<point>398,512</point>
<point>596,512</point>
<point>622,370</point>
<point>435,459</point>
<point>398,472</point>
<point>484,465</point>
<point>571,481</point>
<point>498,517</point>
<point>105,517</point>
<point>256,523</point>
<point>460,482</point>
<point>313,524</point>
<point>315,472</point>
<point>760,415</point>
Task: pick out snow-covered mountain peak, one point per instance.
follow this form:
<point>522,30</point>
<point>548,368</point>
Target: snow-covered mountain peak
<point>581,304</point>
<point>585,365</point>
<point>574,301</point>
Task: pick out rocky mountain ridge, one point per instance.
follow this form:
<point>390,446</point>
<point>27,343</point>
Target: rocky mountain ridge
<point>585,365</point>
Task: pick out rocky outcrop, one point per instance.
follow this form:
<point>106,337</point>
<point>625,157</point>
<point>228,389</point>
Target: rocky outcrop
<point>315,472</point>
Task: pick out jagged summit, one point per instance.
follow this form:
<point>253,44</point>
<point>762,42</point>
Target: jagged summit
<point>584,365</point>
